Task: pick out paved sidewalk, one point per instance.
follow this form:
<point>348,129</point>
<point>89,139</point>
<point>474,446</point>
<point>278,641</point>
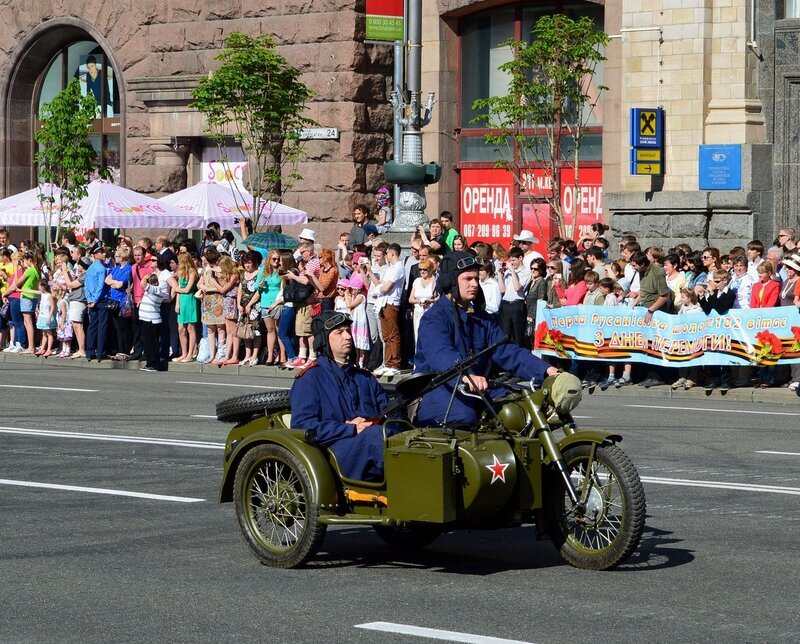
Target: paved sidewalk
<point>277,377</point>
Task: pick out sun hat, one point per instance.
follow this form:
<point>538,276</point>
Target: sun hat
<point>308,235</point>
<point>525,236</point>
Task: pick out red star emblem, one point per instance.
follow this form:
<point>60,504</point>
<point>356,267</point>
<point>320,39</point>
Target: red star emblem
<point>497,469</point>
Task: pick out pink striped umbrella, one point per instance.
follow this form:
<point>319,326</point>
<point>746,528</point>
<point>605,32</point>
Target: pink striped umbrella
<point>26,208</point>
<point>111,206</point>
<point>107,205</point>
<point>217,202</point>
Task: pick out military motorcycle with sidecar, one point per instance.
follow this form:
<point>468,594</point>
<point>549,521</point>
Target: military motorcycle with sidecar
<point>525,461</point>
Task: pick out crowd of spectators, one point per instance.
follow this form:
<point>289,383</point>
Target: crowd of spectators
<point>161,300</point>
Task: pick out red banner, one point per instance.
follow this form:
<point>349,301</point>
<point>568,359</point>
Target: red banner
<point>487,205</point>
<point>583,207</point>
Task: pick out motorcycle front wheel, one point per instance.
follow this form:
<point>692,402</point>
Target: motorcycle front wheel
<point>611,527</point>
<point>275,506</point>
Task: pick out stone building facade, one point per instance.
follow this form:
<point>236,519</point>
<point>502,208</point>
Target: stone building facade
<point>725,72</point>
<point>159,49</point>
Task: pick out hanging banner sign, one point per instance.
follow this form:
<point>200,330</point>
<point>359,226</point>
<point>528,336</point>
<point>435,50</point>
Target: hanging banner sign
<point>581,206</point>
<point>486,205</point>
<point>741,337</point>
<point>384,21</point>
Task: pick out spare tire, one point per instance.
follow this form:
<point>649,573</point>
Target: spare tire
<point>243,408</point>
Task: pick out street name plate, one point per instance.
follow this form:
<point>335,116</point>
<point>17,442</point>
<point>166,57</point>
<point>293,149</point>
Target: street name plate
<point>319,134</point>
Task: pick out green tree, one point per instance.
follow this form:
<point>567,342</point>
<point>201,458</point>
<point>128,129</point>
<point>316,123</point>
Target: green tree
<point>551,97</point>
<point>65,157</point>
<point>256,100</point>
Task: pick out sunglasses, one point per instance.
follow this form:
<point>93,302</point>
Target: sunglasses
<point>552,268</point>
<point>708,257</point>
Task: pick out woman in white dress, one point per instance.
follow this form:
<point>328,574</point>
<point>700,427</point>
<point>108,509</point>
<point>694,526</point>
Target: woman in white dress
<point>423,293</point>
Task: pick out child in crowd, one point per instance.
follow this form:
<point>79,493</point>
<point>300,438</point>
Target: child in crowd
<point>150,320</point>
<point>687,376</point>
<point>64,324</point>
<point>594,296</point>
<point>606,287</point>
<point>340,303</point>
<point>614,295</point>
<point>356,303</point>
<point>46,319</point>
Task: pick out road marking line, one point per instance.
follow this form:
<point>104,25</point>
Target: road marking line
<point>100,490</point>
<point>766,451</point>
<point>175,442</point>
<point>746,487</point>
<point>435,633</point>
<point>720,411</point>
<point>223,384</point>
<point>202,416</point>
<point>88,391</point>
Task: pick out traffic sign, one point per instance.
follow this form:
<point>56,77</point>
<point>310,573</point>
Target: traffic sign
<point>647,161</point>
<point>648,168</point>
<point>647,127</point>
<point>648,155</point>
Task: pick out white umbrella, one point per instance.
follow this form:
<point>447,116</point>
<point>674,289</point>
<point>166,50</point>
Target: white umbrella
<point>26,209</point>
<point>111,206</point>
<point>107,205</point>
<point>216,202</point>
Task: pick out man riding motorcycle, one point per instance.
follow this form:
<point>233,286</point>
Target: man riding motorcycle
<point>457,327</point>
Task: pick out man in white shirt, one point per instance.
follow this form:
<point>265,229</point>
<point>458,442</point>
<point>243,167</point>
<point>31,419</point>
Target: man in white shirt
<point>526,240</point>
<point>391,289</point>
<point>514,285</point>
<point>741,283</point>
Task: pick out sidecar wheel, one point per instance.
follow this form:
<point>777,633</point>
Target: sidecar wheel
<point>616,507</point>
<point>275,506</point>
<point>409,537</point>
<point>243,408</point>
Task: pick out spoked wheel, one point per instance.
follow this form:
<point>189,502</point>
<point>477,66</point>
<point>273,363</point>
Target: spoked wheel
<point>276,508</point>
<point>409,537</point>
<point>610,529</point>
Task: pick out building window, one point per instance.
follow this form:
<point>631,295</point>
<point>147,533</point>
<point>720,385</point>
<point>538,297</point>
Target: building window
<point>481,35</point>
<point>791,9</point>
<point>86,61</point>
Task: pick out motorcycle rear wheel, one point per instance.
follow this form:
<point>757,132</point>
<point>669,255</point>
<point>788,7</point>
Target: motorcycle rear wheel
<point>612,526</point>
<point>275,506</point>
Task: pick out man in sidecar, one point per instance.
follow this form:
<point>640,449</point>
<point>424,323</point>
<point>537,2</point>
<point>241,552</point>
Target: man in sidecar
<point>457,327</point>
<point>341,402</point>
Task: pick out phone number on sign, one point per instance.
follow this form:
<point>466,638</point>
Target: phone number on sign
<point>483,231</point>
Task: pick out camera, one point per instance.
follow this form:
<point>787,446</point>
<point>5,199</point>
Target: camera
<point>282,271</point>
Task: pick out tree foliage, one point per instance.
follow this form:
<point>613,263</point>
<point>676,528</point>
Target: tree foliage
<point>65,157</point>
<point>551,96</point>
<point>256,100</point>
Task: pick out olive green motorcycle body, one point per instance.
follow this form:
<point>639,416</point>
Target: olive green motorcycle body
<point>511,469</point>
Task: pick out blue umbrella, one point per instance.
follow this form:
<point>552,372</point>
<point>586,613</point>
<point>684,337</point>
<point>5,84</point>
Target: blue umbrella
<point>271,241</point>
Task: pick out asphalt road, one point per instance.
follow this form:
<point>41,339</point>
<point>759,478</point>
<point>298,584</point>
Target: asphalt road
<point>718,561</point>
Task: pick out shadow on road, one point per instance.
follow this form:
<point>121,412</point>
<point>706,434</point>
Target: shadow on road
<point>655,552</point>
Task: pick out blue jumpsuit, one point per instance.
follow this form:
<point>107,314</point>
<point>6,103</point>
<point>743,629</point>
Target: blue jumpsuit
<point>324,396</point>
<point>444,341</point>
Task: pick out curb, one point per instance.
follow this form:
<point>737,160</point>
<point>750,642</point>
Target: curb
<point>777,395</point>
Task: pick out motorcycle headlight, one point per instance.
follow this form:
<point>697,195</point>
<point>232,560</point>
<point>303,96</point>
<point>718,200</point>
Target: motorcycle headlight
<point>565,392</point>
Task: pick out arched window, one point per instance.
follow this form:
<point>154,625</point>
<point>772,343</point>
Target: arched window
<point>86,61</point>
